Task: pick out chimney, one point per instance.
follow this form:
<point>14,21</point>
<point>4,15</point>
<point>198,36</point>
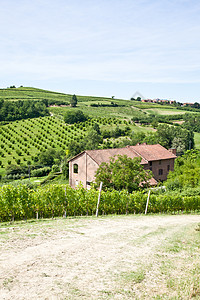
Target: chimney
<point>172,150</point>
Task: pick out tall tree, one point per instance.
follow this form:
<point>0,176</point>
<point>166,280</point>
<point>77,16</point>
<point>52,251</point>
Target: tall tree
<point>122,172</point>
<point>73,101</point>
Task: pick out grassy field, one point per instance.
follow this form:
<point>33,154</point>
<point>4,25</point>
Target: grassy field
<point>165,111</point>
<point>110,257</point>
<point>30,93</point>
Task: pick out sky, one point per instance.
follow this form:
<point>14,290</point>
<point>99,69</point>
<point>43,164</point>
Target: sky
<point>103,47</point>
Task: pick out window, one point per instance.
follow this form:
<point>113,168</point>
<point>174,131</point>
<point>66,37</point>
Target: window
<point>150,163</point>
<point>160,172</point>
<point>168,167</point>
<point>159,162</point>
<point>76,168</point>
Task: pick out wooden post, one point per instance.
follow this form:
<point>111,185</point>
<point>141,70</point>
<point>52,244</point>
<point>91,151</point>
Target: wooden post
<point>65,213</point>
<point>147,202</point>
<point>97,211</point>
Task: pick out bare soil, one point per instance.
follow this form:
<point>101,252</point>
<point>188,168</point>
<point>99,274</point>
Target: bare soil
<point>87,257</point>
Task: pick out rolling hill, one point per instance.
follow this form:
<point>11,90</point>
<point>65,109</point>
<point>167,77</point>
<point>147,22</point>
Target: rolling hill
<point>21,140</point>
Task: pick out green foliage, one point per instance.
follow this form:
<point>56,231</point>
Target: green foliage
<point>186,172</point>
<point>92,140</point>
<point>76,116</point>
<point>41,172</point>
<point>169,136</point>
<point>73,101</point>
<point>17,110</point>
<point>19,202</point>
<point>48,157</point>
<point>192,122</point>
<point>123,172</point>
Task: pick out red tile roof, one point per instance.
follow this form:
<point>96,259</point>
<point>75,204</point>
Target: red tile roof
<point>104,155</point>
<point>146,152</point>
<point>152,152</point>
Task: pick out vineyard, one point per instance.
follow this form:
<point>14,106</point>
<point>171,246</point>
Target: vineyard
<point>21,140</point>
<point>61,200</point>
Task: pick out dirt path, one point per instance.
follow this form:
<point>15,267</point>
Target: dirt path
<point>80,258</point>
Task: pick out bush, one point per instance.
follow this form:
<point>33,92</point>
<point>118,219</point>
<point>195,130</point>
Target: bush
<point>72,117</point>
<point>41,172</point>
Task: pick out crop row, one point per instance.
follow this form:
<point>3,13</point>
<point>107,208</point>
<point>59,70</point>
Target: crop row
<point>60,200</point>
<point>21,140</point>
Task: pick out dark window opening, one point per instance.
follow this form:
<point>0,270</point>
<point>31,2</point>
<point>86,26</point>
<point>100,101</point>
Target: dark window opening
<point>160,172</point>
<point>76,168</point>
<point>150,163</point>
<point>159,162</point>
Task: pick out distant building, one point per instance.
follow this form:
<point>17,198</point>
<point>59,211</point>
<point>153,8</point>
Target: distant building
<point>188,104</point>
<point>83,167</point>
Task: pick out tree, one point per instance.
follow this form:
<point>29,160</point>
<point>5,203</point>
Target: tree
<point>186,172</point>
<point>123,172</point>
<point>92,140</point>
<point>167,137</point>
<point>74,148</point>
<point>73,101</point>
<point>96,128</point>
<point>72,117</point>
<point>50,157</point>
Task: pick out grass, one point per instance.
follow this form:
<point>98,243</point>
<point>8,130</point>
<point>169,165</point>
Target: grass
<point>169,270</point>
<point>124,112</point>
<point>197,140</point>
<point>176,270</point>
<point>165,111</point>
<point>30,93</point>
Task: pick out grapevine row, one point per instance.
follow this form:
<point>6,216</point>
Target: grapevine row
<point>17,203</point>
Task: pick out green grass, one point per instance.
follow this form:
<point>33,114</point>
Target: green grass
<point>197,140</point>
<point>30,93</point>
<point>166,111</point>
<point>121,112</point>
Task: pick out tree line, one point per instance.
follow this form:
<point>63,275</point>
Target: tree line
<point>18,110</point>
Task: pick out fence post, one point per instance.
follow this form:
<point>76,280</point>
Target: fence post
<point>147,202</point>
<point>97,211</point>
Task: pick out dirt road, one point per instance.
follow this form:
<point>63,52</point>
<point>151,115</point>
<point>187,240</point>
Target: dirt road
<point>87,258</point>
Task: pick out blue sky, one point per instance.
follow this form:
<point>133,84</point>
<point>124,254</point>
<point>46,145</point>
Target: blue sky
<point>103,47</point>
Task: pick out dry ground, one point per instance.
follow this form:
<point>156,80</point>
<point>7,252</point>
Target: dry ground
<point>113,257</point>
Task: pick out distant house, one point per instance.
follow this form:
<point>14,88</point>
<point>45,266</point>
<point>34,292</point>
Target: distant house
<point>159,160</point>
<point>188,104</point>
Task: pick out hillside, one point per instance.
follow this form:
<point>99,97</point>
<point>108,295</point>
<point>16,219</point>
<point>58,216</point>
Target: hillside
<point>21,140</point>
<point>30,93</point>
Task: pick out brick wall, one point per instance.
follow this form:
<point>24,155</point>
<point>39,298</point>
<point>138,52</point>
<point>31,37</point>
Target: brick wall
<point>82,169</point>
<point>161,168</point>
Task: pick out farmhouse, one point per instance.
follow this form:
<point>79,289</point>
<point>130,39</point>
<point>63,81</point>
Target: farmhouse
<point>159,160</point>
